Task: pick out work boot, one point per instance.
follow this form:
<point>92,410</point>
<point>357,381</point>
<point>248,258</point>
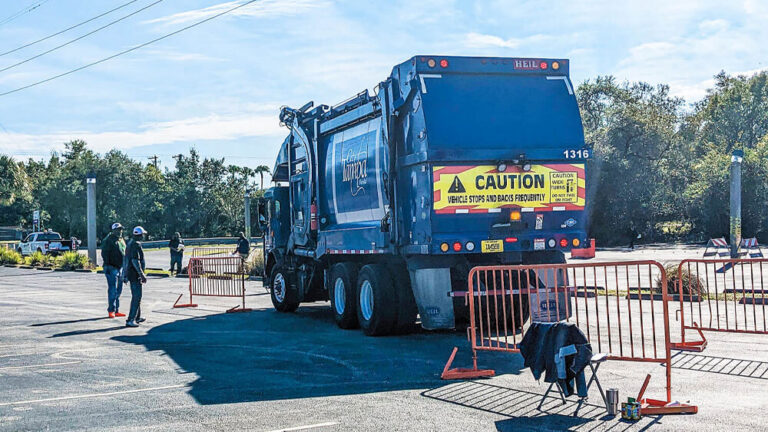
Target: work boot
<point>119,314</point>
<point>111,314</point>
<point>140,320</point>
<point>131,324</point>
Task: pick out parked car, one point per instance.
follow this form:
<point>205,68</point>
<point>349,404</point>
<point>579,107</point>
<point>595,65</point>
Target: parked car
<point>46,242</point>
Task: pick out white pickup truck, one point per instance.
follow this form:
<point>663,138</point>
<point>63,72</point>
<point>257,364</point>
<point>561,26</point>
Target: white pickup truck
<point>46,242</point>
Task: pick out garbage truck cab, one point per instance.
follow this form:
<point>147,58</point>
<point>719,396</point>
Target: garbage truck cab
<point>384,202</point>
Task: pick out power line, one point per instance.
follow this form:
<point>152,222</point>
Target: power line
<point>67,29</point>
<point>129,49</point>
<point>23,11</point>
<point>80,37</point>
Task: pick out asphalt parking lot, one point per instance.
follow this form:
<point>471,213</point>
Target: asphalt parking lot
<point>64,366</point>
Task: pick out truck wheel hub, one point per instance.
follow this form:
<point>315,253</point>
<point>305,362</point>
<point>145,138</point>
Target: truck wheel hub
<point>278,287</point>
<point>366,300</point>
<point>339,295</point>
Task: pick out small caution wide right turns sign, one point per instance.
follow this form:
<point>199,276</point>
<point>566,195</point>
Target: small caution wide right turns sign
<point>481,189</point>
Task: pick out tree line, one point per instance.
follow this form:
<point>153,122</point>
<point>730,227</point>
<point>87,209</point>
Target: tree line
<point>660,165</point>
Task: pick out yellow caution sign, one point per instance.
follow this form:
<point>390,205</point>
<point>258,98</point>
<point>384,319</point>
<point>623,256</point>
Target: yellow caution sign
<point>483,189</point>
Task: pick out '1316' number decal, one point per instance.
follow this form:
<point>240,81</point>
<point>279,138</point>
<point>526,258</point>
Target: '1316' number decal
<point>576,154</point>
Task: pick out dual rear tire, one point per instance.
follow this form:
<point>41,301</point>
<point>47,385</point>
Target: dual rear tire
<point>376,298</point>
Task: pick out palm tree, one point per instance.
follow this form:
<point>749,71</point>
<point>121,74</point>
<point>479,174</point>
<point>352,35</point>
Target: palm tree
<point>261,170</point>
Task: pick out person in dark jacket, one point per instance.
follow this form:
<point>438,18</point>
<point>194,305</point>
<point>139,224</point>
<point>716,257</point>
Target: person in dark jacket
<point>243,247</point>
<point>112,253</point>
<point>176,244</point>
<point>136,265</point>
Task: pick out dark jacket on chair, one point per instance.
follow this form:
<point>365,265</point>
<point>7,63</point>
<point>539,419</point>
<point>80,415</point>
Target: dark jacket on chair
<point>542,342</point>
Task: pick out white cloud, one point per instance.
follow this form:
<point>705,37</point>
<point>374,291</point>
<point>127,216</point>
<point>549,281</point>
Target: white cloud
<point>264,8</point>
<point>192,130</point>
<point>479,40</point>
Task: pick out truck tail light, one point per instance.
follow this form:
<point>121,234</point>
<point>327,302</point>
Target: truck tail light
<point>511,239</point>
<point>576,242</point>
<point>443,63</point>
<point>563,242</point>
<point>457,247</point>
<point>555,65</point>
<point>515,216</point>
<point>431,63</point>
<point>444,247</point>
<point>543,65</point>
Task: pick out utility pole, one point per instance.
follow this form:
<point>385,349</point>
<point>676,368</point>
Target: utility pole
<point>736,159</point>
<point>91,193</point>
<point>248,213</point>
<point>154,160</point>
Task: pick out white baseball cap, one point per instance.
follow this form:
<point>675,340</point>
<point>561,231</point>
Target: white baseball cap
<point>116,225</point>
<point>139,231</point>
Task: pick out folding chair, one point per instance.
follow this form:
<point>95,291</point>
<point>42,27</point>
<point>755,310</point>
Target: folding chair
<point>594,365</point>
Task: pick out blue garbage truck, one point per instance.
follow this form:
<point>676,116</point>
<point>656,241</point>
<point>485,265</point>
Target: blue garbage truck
<point>384,202</point>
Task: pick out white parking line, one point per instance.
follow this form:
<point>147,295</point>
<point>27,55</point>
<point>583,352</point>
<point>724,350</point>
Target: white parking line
<point>93,395</point>
<point>298,428</point>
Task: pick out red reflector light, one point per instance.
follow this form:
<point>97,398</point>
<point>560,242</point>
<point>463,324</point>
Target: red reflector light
<point>543,65</point>
<point>457,247</point>
<point>443,63</point>
<point>510,239</point>
<point>563,242</point>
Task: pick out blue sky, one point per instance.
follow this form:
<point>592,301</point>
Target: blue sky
<point>218,87</point>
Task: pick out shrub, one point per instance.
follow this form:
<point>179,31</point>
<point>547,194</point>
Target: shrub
<point>692,284</point>
<point>10,256</point>
<point>72,261</point>
<point>37,259</point>
<point>255,264</point>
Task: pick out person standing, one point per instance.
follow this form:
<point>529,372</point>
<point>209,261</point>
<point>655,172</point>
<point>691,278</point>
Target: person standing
<point>243,247</point>
<point>135,275</point>
<point>112,253</point>
<point>176,244</point>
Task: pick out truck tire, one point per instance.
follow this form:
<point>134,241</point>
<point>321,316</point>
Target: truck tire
<point>283,291</point>
<point>407,311</point>
<point>377,307</point>
<point>342,292</point>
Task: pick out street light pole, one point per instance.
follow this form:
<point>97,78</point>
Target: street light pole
<point>91,193</point>
<point>247,213</point>
<point>736,159</point>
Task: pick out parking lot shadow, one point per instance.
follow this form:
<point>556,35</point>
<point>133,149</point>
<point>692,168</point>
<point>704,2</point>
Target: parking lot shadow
<point>265,355</point>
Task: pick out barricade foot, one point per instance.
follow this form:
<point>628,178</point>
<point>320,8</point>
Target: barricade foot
<point>183,305</point>
<point>463,373</point>
<point>695,346</point>
<point>658,407</point>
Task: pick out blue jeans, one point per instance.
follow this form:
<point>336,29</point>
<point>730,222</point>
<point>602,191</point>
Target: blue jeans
<point>114,287</point>
<point>176,258</point>
<point>136,291</point>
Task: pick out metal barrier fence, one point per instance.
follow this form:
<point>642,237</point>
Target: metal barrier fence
<point>212,251</point>
<point>216,277</point>
<point>621,307</point>
<point>723,295</point>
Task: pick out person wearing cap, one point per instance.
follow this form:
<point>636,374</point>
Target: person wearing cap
<point>135,274</point>
<point>112,253</point>
<point>176,244</point>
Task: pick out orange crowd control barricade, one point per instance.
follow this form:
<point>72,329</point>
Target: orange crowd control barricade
<point>621,308</point>
<point>723,295</point>
<point>211,251</point>
<point>216,277</point>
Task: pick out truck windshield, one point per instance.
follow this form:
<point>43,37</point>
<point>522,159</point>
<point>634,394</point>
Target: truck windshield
<point>515,112</point>
<point>48,236</point>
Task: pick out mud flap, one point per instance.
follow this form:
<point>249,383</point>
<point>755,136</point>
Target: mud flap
<point>431,289</point>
